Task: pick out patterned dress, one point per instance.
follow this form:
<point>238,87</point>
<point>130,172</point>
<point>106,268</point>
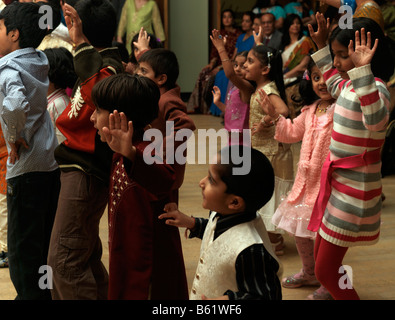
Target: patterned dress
<point>352,214</point>
<point>279,154</point>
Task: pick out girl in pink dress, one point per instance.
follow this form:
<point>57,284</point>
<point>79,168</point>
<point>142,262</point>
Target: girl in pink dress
<point>237,104</point>
<point>313,127</point>
<point>236,111</point>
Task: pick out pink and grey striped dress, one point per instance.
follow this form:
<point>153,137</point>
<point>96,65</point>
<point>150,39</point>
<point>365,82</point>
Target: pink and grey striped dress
<point>352,214</point>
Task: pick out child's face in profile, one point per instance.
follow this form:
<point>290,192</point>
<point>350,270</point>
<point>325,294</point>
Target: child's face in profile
<point>100,119</point>
<point>5,40</point>
<point>319,85</point>
<point>214,189</point>
<point>253,67</point>
<point>146,70</point>
<point>342,60</point>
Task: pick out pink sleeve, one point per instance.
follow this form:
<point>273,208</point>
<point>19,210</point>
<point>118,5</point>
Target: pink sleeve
<point>291,132</point>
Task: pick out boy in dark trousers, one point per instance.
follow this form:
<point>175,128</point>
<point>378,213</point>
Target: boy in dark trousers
<point>85,162</point>
<point>32,172</point>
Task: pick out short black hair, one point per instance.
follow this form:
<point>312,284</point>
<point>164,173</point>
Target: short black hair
<point>25,18</point>
<point>98,19</point>
<point>255,187</point>
<point>134,95</point>
<point>61,67</point>
<point>382,63</point>
<point>163,61</point>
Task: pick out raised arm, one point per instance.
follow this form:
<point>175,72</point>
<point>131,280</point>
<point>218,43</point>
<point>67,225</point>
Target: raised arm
<point>245,87</point>
<point>372,94</point>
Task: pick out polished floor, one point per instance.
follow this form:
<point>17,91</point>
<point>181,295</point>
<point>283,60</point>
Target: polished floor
<point>372,267</point>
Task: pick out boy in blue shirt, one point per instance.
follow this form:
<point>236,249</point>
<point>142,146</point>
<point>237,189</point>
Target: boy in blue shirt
<point>32,173</point>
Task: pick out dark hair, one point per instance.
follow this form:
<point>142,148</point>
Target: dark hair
<point>382,63</point>
<point>61,67</point>
<point>307,94</point>
<point>251,15</point>
<point>25,18</point>
<point>242,53</point>
<point>257,186</point>
<point>270,56</point>
<point>56,12</point>
<point>98,19</point>
<point>134,95</point>
<point>123,52</point>
<point>154,43</point>
<point>288,21</point>
<point>163,61</point>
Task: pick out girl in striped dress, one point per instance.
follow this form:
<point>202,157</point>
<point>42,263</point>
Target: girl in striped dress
<point>348,208</point>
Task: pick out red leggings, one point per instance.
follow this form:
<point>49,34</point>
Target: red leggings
<point>328,260</point>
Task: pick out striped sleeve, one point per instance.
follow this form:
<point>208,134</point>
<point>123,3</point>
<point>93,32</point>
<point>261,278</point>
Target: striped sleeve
<point>334,82</point>
<point>256,275</point>
<point>373,96</point>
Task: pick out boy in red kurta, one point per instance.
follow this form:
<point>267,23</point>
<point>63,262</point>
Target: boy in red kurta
<point>138,193</point>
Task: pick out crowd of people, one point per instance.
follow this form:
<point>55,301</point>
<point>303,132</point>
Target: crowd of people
<point>74,115</point>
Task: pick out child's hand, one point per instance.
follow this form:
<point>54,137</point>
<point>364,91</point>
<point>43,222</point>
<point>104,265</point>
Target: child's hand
<point>142,43</point>
<point>217,40</point>
<point>363,54</point>
<point>216,95</point>
<point>14,153</point>
<point>74,25</point>
<point>320,37</point>
<point>266,104</point>
<point>258,38</point>
<point>119,135</point>
<point>176,218</point>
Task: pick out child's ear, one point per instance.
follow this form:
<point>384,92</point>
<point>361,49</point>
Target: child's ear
<point>14,35</point>
<point>265,71</point>
<point>161,80</point>
<point>236,203</point>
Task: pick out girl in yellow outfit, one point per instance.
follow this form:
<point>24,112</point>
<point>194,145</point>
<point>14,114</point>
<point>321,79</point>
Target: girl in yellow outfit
<point>137,14</point>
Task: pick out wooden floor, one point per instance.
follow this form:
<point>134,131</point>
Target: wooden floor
<point>372,266</point>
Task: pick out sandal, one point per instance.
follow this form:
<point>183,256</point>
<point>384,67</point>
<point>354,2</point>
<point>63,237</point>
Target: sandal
<point>320,294</point>
<point>299,280</point>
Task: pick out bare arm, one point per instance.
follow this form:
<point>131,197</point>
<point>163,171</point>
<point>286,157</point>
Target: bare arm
<point>245,87</point>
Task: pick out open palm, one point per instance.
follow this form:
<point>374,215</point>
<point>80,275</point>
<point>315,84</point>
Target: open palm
<point>119,133</point>
<point>363,52</point>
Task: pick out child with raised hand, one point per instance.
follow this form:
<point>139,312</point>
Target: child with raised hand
<point>348,208</point>
<point>84,160</point>
<point>313,127</point>
<point>264,67</point>
<point>236,108</point>
<point>137,190</point>
<point>236,258</point>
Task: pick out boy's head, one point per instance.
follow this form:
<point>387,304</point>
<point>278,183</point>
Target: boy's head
<point>21,27</point>
<point>226,192</point>
<point>161,66</point>
<point>137,97</point>
<point>98,19</point>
